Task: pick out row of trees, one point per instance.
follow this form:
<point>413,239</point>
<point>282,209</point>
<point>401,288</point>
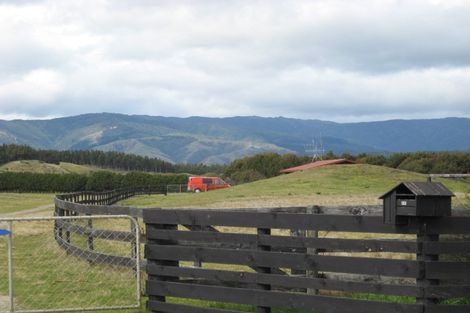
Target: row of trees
<point>267,165</point>
<point>260,166</point>
<point>97,181</point>
<point>421,162</point>
<point>109,159</point>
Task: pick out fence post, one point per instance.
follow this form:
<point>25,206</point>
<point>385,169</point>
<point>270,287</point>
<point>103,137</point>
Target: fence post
<point>151,262</point>
<point>314,209</point>
<point>267,270</point>
<point>90,236</point>
<point>422,281</point>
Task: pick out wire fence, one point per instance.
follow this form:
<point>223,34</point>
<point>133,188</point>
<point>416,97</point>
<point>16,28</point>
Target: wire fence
<point>69,264</point>
<point>176,188</point>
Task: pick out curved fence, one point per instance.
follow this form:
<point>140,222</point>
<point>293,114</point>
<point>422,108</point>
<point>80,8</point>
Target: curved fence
<point>97,203</point>
<point>321,259</point>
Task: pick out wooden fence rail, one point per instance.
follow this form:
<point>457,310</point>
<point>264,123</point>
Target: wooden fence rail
<point>268,258</point>
<point>97,203</point>
<point>263,241</point>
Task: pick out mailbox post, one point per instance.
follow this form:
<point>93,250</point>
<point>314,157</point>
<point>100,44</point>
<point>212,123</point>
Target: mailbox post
<point>416,199</point>
<point>420,201</point>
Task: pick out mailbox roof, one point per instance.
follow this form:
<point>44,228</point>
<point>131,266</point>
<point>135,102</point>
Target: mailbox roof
<point>424,189</point>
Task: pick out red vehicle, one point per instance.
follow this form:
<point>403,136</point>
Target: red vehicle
<point>202,184</point>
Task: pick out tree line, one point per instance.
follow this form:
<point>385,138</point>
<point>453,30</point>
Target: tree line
<point>96,181</point>
<point>262,165</point>
<point>266,165</point>
<point>422,162</point>
<point>104,159</point>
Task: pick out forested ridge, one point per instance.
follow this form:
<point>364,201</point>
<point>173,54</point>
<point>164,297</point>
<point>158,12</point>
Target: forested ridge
<point>103,159</point>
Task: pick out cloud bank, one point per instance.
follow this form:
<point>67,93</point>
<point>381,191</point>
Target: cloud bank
<point>336,60</point>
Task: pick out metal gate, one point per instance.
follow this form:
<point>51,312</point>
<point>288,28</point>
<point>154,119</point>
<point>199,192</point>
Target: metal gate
<point>74,263</point>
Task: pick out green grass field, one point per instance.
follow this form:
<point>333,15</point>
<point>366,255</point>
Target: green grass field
<point>35,166</point>
<point>334,185</point>
<point>16,202</point>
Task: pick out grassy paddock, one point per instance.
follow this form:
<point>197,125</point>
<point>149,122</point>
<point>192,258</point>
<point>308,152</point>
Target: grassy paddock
<point>358,184</point>
<point>45,277</point>
<point>339,185</point>
<point>15,202</point>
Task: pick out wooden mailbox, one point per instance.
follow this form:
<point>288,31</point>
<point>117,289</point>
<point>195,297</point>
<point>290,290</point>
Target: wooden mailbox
<point>420,199</point>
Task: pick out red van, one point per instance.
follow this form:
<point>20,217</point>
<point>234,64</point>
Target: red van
<point>202,184</point>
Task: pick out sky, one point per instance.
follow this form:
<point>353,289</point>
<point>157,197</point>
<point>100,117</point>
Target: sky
<point>345,61</point>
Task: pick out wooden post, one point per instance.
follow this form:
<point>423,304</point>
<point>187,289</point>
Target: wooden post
<point>90,236</point>
<point>264,231</point>
<point>161,262</point>
<point>67,233</point>
<point>422,281</point>
<point>312,251</point>
<point>299,233</point>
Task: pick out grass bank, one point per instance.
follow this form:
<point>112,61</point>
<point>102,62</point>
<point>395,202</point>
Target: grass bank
<point>333,185</point>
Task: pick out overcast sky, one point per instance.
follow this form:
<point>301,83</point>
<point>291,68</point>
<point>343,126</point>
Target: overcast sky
<point>345,60</point>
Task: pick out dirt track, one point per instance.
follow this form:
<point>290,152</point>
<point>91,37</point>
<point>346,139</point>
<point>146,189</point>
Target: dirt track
<point>4,303</point>
<point>43,210</point>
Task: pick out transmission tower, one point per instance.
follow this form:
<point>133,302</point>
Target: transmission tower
<point>315,149</point>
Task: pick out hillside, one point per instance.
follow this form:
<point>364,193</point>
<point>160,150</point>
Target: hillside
<point>220,140</point>
<point>34,166</point>
<point>331,185</point>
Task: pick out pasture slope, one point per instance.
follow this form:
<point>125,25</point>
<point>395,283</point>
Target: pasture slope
<point>35,166</point>
<point>333,185</point>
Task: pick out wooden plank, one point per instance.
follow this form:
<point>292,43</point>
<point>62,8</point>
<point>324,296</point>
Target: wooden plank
<point>95,257</point>
<point>158,306</point>
<point>445,308</point>
<point>448,225</point>
<point>276,299</point>
<point>285,281</point>
<point>357,265</point>
<point>370,224</point>
<point>447,247</point>
<point>447,270</point>
<point>251,240</point>
<point>98,209</point>
<point>324,222</point>
<point>96,233</point>
<point>448,291</point>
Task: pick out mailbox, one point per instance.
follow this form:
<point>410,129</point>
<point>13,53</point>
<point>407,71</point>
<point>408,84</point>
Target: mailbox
<point>416,199</point>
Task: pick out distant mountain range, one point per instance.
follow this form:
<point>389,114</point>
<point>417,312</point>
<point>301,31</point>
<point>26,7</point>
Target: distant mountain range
<point>221,140</point>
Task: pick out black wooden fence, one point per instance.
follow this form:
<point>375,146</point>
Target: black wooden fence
<point>97,203</point>
<point>271,258</point>
<point>252,262</point>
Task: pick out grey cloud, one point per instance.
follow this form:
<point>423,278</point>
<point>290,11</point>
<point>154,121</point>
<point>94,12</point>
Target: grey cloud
<point>336,60</point>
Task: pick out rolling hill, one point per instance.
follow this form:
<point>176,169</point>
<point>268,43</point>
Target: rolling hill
<point>354,184</point>
<point>221,140</point>
<point>34,166</point>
